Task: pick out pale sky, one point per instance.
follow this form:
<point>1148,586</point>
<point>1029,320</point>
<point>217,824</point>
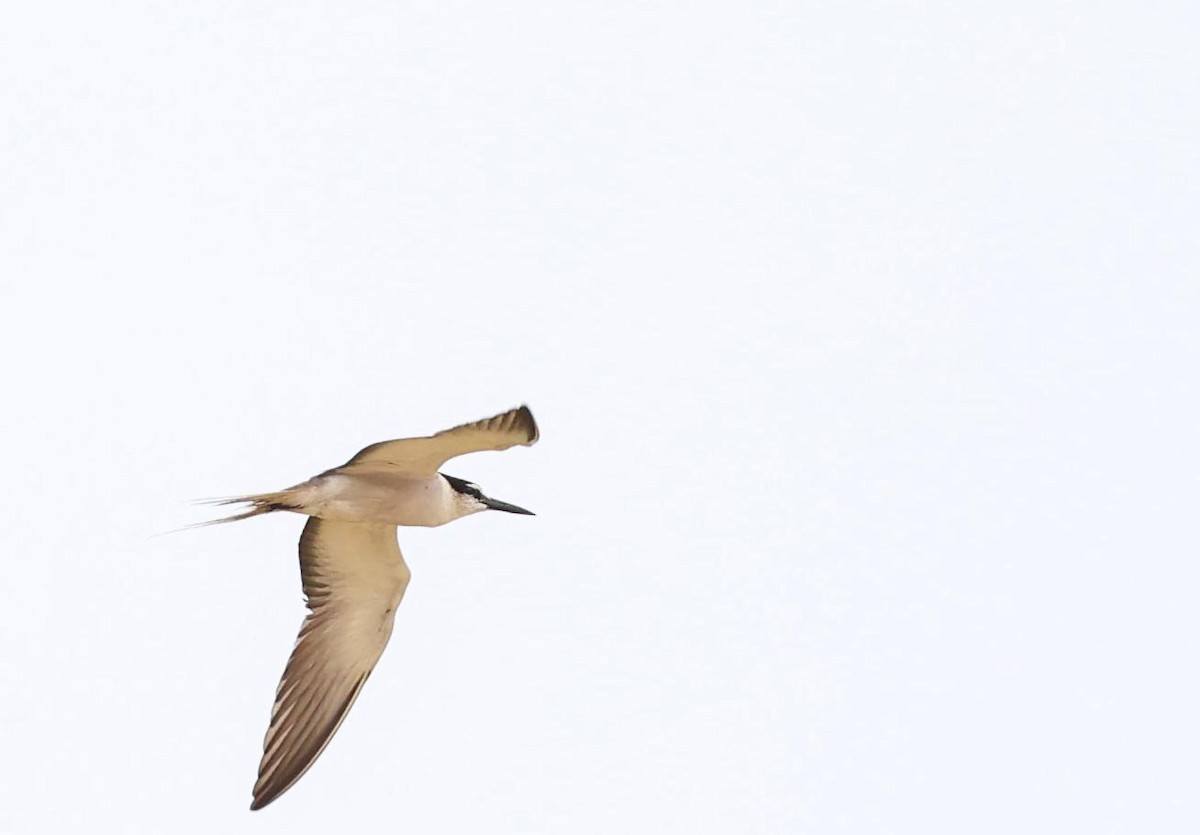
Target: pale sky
<point>862,339</point>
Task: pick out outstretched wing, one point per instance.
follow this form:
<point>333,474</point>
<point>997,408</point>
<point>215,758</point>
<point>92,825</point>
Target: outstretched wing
<point>354,578</point>
<point>428,454</point>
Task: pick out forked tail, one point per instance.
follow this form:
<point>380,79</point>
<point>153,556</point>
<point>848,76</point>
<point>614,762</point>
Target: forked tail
<point>260,503</point>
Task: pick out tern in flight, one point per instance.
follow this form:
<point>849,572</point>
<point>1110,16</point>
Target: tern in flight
<point>354,575</point>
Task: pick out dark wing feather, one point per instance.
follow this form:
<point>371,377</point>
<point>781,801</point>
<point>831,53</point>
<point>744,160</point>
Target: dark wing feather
<point>354,578</point>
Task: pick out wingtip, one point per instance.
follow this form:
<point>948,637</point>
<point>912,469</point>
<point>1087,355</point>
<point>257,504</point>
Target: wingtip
<point>263,797</point>
<point>528,423</point>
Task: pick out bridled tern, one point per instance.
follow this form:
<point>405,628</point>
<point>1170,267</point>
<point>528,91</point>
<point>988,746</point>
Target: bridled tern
<point>354,575</point>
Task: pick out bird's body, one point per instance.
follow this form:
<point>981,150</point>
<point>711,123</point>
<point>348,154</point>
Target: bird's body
<point>389,497</point>
<point>354,575</point>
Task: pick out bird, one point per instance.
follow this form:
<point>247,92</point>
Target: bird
<point>354,575</point>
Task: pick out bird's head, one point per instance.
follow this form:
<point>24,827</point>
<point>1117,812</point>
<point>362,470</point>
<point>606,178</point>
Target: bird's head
<point>472,500</point>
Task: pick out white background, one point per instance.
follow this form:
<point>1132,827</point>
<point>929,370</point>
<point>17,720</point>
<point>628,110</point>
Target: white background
<point>862,338</point>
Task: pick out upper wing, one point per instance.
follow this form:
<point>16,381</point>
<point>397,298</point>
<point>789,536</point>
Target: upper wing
<point>428,454</point>
<point>354,578</point>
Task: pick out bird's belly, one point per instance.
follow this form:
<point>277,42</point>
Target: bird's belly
<point>390,500</point>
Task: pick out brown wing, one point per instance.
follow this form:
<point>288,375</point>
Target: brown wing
<point>428,454</point>
<point>354,578</point>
